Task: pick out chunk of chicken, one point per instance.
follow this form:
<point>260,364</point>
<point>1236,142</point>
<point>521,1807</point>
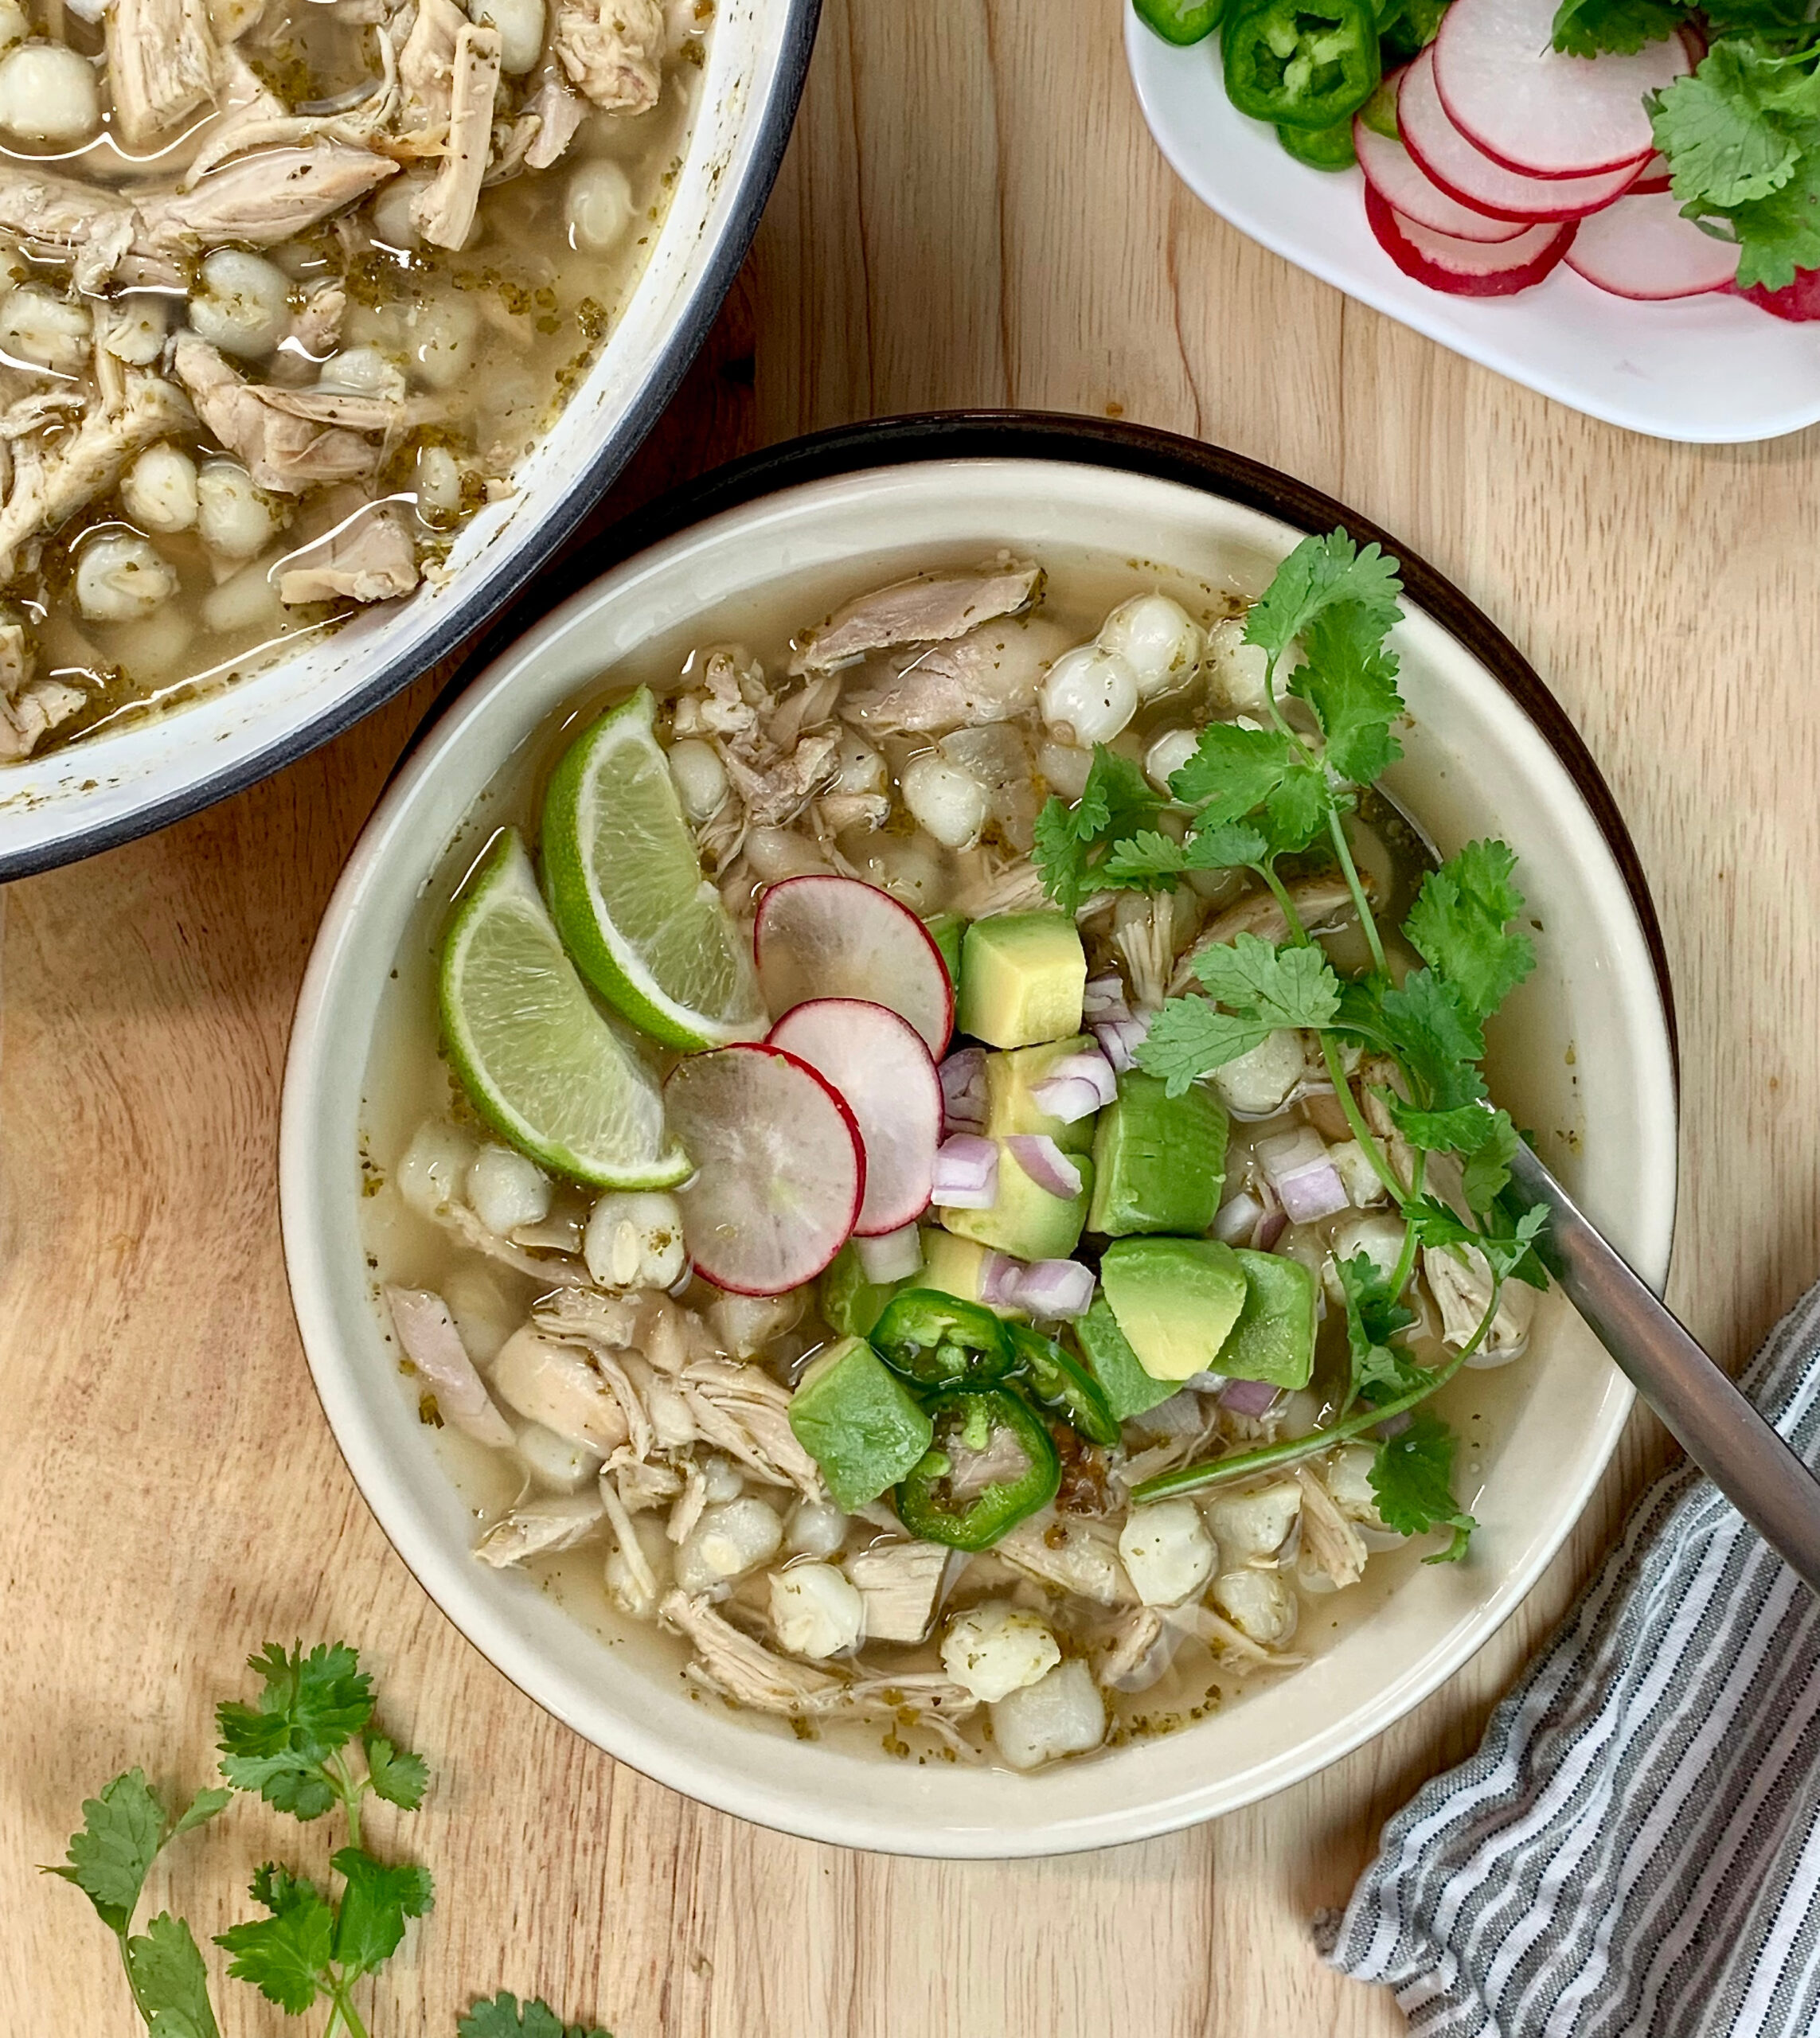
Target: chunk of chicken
<point>47,488</point>
<point>559,112</point>
<point>426,64</point>
<point>746,1412</point>
<point>57,219</point>
<point>899,1582</point>
<point>28,717</point>
<point>1319,902</point>
<point>1330,1542</point>
<point>554,1521</point>
<point>559,1386</point>
<point>262,199</point>
<point>368,557</point>
<point>161,64</point>
<point>1080,1554</point>
<point>992,674</point>
<point>1460,1280</point>
<point>929,608</point>
<point>433,1344</point>
<point>613,49</point>
<point>283,450</point>
<point>442,212</point>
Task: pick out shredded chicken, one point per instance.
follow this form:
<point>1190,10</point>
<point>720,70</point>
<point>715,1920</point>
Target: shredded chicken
<point>745,1412</point>
<point>444,211</point>
<point>263,199</point>
<point>928,608</point>
<point>162,61</point>
<point>281,450</point>
<point>558,113</point>
<point>426,64</point>
<point>368,557</point>
<point>900,1583</point>
<point>612,1321</point>
<point>1318,901</point>
<point>1329,1540</point>
<point>553,1272</point>
<point>1080,1554</point>
<point>433,1344</point>
<point>1126,1659</point>
<point>990,675</point>
<point>612,50</point>
<point>535,1528</point>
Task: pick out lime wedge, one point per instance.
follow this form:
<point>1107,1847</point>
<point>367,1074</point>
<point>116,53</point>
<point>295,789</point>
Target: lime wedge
<point>543,1064</point>
<point>646,928</point>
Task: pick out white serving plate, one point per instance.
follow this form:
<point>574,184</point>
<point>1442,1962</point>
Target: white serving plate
<point>1585,1046</point>
<point>123,782</point>
<point>1705,370</point>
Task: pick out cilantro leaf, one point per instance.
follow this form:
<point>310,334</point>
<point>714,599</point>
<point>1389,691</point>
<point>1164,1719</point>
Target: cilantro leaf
<point>1282,987</point>
<point>1233,770</point>
<point>203,1807</point>
<point>1224,846</point>
<point>374,1906</point>
<point>286,1956</point>
<point>1320,572</point>
<point>1059,854</point>
<point>1148,860</point>
<point>109,1859</point>
<point>396,1775</point>
<point>1374,1316</point>
<point>1586,28</point>
<point>1350,682</point>
<point>1189,1036</point>
<point>1724,131</point>
<point>1296,808</point>
<point>501,2017</point>
<point>1438,1041</point>
<point>1487,1171</point>
<point>1412,1479</point>
<point>310,1706</point>
<point>1781,233</point>
<point>170,1980</point>
<point>1459,925</point>
<point>1116,800</point>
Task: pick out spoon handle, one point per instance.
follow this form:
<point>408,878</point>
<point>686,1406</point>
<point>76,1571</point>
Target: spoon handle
<point>1711,1420</point>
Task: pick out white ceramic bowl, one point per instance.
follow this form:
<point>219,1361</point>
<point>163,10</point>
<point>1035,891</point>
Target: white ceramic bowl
<point>1704,370</point>
<point>1488,751</point>
<point>119,784</point>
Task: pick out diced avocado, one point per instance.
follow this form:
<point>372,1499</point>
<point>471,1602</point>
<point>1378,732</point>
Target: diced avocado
<point>1274,1337</point>
<point>1159,1161</point>
<point>946,930</point>
<point>859,1421</point>
<point>850,1303</point>
<point>1129,1390</point>
<point>1022,979</point>
<point>1176,1301</point>
<point>1009,1107</point>
<point>957,1266</point>
<point>1026,1221</point>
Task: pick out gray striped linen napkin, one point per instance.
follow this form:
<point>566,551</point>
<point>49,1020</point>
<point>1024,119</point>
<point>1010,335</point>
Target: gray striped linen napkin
<point>1634,1850</point>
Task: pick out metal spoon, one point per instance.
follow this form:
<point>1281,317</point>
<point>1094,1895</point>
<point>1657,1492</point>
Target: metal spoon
<point>1711,1420</point>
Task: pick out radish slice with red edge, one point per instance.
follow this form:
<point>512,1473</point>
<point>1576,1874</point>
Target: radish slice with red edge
<point>1466,268</point>
<point>1641,247</point>
<point>834,937</point>
<point>1799,301</point>
<point>1450,161</point>
<point>1407,188</point>
<point>885,1074</point>
<point>780,1168</point>
<point>1653,176</point>
<point>1517,98</point>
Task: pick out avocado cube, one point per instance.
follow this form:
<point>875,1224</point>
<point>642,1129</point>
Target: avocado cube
<point>859,1421</point>
<point>1176,1300</point>
<point>1274,1337</point>
<point>849,1302</point>
<point>946,930</point>
<point>1129,1390</point>
<point>1023,976</point>
<point>1009,1108</point>
<point>957,1266</point>
<point>1159,1161</point>
<point>1026,1221</point>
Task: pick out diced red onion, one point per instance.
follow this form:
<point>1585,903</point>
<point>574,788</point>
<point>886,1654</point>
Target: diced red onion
<point>1059,1093</point>
<point>999,1274</point>
<point>1298,1169</point>
<point>1272,1226</point>
<point>894,1256</point>
<point>1045,1162</point>
<point>1104,998</point>
<point>1248,1397</point>
<point>966,1173</point>
<point>963,1091</point>
<point>1056,1287</point>
<point>1120,1038</point>
<point>1237,1218</point>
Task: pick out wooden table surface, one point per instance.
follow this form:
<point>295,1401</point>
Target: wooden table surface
<point>970,213</point>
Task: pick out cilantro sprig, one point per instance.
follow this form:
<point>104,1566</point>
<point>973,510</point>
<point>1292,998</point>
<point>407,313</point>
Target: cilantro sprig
<point>292,1746</point>
<point>1249,795</point>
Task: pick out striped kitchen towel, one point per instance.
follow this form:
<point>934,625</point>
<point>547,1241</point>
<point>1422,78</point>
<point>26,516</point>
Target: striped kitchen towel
<point>1635,1851</point>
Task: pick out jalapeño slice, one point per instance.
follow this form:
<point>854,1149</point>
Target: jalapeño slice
<point>1301,63</point>
<point>940,1340</point>
<point>1059,1380</point>
<point>991,1464</point>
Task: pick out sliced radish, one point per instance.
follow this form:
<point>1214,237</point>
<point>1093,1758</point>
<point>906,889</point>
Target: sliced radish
<point>1653,178</point>
<point>1643,248</point>
<point>886,1075</point>
<point>1512,94</point>
<point>1466,268</point>
<point>1407,188</point>
<point>1799,301</point>
<point>834,937</point>
<point>780,1168</point>
<point>1467,174</point>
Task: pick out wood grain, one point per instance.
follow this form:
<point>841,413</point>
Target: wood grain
<point>970,213</point>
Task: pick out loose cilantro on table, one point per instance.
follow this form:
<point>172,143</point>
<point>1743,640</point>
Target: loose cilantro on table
<point>292,1746</point>
<point>1246,798</point>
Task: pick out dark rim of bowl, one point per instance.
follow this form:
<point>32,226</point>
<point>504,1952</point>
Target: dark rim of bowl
<point>1091,442</point>
<point>489,593</point>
